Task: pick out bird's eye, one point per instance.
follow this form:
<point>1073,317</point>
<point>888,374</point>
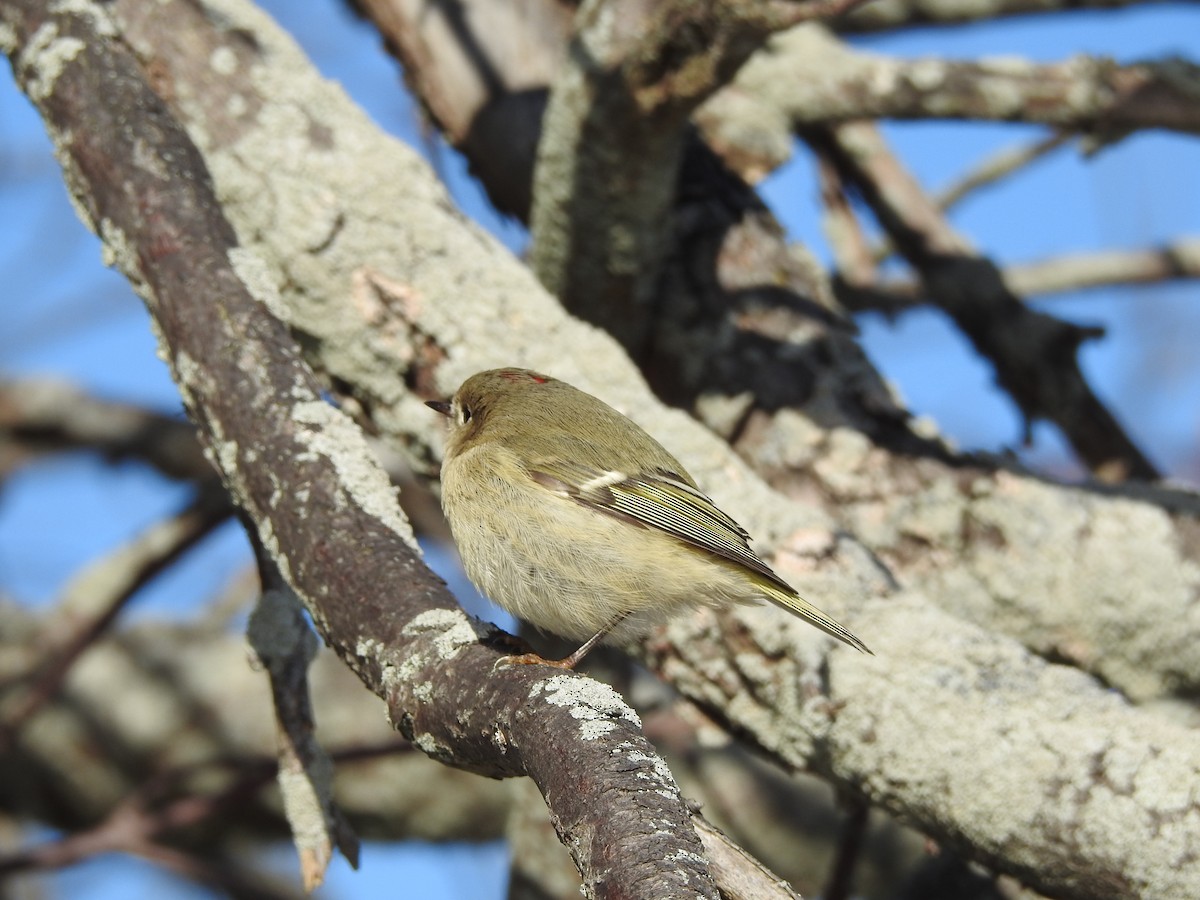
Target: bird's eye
<point>466,415</point>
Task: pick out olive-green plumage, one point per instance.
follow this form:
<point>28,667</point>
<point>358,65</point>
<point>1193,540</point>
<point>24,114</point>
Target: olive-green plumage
<point>570,516</point>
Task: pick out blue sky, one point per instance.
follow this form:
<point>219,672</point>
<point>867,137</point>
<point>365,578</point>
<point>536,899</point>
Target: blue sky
<point>69,317</point>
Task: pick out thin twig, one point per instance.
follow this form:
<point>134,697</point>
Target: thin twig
<point>141,819</point>
<point>1035,355</point>
<point>854,832</point>
<point>1069,272</point>
<point>1000,165</point>
<point>47,415</point>
<point>875,17</point>
<point>106,588</point>
<point>984,174</point>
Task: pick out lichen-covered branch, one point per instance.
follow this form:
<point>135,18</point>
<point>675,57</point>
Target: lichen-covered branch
<point>1033,768</point>
<point>327,201</point>
<point>807,76</point>
<point>613,139</point>
<point>303,476</point>
<point>181,698</point>
<point>885,15</point>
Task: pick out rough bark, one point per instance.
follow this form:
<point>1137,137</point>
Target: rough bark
<point>302,474</point>
<point>807,76</point>
<point>943,725</point>
<point>195,712</point>
<point>887,14</point>
<point>613,141</point>
<point>1035,355</point>
<point>784,380</point>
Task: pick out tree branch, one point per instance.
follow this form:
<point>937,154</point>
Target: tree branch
<point>137,825</point>
<point>967,737</point>
<point>740,876</point>
<point>1176,260</point>
<point>612,144</point>
<point>1034,354</point>
<point>886,15</point>
<point>998,166</point>
<point>986,173</point>
<point>320,504</point>
<point>1070,272</point>
<point>46,416</point>
<point>285,646</point>
<point>481,72</point>
<point>468,306</point>
<point>806,76</point>
<point>96,596</point>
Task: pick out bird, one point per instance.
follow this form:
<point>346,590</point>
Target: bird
<point>573,518</point>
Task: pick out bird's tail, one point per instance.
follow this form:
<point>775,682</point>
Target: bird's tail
<point>797,605</point>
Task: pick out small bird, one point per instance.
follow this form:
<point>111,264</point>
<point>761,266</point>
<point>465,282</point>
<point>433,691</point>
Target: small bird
<point>571,517</point>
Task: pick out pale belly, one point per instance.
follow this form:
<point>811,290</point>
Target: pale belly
<point>572,570</point>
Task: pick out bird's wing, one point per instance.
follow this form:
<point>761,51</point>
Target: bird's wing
<point>663,500</point>
<point>669,502</point>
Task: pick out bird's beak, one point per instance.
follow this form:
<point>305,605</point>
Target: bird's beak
<point>442,406</point>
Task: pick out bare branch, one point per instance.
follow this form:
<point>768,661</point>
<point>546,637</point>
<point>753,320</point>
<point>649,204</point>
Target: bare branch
<point>51,416</point>
<point>140,823</point>
<point>136,824</point>
<point>1000,165</point>
<point>1070,272</point>
<point>95,598</point>
<point>481,71</point>
<point>1179,259</point>
<point>181,698</point>
<point>1034,354</point>
<point>739,875</point>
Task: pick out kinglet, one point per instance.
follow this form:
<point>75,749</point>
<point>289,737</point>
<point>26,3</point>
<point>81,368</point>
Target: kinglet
<point>573,518</point>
